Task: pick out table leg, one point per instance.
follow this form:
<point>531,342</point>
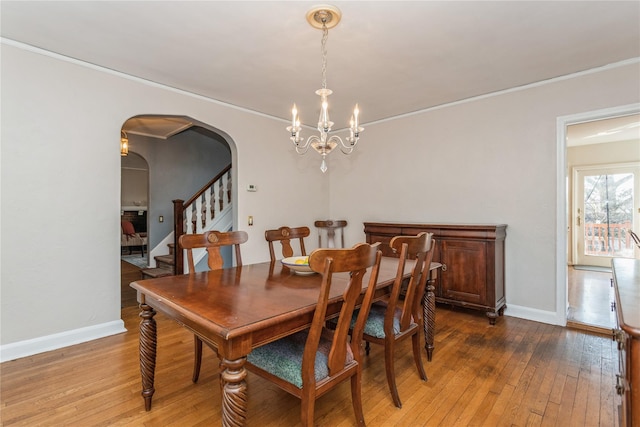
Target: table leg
<point>429,314</point>
<point>148,345</point>
<point>234,392</point>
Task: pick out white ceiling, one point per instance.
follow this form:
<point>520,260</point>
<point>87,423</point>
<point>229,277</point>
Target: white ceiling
<point>625,128</point>
<point>391,57</point>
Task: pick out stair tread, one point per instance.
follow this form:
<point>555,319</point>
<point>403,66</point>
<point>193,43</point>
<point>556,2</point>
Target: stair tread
<point>167,259</point>
<point>156,272</point>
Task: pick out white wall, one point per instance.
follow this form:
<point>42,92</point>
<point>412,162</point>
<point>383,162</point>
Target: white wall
<point>490,160</point>
<point>60,278</point>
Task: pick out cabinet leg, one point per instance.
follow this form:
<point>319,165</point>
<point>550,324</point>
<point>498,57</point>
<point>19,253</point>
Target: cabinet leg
<point>492,315</point>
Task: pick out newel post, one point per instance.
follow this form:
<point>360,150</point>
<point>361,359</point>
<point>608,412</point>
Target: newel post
<point>178,230</point>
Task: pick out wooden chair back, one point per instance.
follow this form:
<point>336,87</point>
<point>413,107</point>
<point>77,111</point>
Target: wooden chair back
<point>419,248</point>
<point>393,320</point>
<point>212,241</point>
<point>356,261</point>
<point>328,228</point>
<point>284,235</point>
<point>342,355</point>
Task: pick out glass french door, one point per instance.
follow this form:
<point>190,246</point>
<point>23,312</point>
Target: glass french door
<point>606,207</point>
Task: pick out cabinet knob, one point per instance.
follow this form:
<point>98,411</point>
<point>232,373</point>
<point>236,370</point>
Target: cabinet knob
<point>444,267</point>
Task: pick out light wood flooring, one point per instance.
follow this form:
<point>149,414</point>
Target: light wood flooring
<point>128,273</point>
<point>590,295</point>
<point>516,373</point>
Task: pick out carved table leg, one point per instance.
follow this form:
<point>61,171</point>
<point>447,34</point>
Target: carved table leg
<point>234,392</point>
<point>429,310</point>
<point>148,345</point>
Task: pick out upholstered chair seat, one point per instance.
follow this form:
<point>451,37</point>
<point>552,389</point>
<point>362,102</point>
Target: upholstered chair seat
<point>283,358</point>
<point>375,323</point>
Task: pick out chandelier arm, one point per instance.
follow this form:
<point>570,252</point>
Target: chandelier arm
<point>313,138</point>
<point>301,146</point>
<point>345,148</point>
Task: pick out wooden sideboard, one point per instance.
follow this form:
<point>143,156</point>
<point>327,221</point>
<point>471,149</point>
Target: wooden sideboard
<point>626,281</point>
<point>472,258</point>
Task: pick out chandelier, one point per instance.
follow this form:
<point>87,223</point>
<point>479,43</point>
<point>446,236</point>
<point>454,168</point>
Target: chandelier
<point>324,17</point>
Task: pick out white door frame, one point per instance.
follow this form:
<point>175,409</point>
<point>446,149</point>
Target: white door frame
<point>562,301</point>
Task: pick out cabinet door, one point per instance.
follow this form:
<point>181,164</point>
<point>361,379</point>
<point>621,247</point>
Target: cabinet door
<point>465,276</point>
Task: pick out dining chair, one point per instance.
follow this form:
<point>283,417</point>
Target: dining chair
<point>309,363</point>
<point>328,228</point>
<point>396,319</point>
<point>212,242</point>
<point>284,235</point>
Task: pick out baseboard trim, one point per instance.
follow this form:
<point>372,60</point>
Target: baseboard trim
<point>528,313</point>
<point>33,346</point>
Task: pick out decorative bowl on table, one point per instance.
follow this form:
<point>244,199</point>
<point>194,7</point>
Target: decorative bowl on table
<point>299,265</point>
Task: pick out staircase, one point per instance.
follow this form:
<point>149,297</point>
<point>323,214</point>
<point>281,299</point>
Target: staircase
<point>209,209</point>
<point>165,265</point>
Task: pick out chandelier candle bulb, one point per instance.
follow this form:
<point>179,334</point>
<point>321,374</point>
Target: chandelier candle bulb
<point>294,113</point>
<point>356,111</point>
<point>325,115</point>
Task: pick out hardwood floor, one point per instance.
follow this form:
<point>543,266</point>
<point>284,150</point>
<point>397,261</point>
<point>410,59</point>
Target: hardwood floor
<point>128,273</point>
<point>590,296</point>
<point>515,373</point>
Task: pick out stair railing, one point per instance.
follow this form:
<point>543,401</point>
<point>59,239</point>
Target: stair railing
<point>194,215</point>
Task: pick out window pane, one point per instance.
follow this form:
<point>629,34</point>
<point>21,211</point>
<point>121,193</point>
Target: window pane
<point>608,210</point>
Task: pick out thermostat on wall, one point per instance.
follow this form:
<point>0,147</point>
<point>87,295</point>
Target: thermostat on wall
<point>252,187</point>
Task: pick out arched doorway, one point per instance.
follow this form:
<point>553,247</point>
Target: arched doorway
<point>182,154</point>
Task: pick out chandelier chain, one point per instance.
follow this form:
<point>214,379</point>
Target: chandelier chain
<point>325,36</point>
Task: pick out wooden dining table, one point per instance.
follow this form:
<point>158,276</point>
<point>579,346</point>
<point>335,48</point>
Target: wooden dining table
<point>240,308</point>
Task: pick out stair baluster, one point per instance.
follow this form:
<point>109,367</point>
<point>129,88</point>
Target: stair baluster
<point>193,213</point>
<point>196,215</point>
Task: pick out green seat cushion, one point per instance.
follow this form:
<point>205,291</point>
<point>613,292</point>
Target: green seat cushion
<point>283,358</point>
<point>375,322</point>
<point>374,326</point>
